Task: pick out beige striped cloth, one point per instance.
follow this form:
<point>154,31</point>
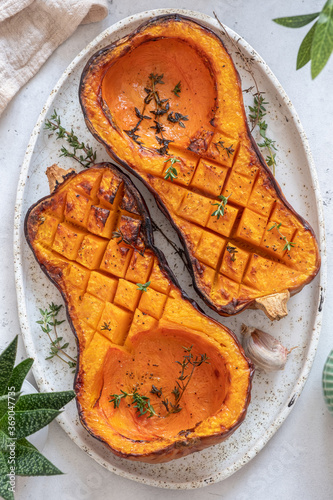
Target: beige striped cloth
<point>30,30</point>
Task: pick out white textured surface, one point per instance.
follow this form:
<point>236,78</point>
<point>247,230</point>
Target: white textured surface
<point>297,462</point>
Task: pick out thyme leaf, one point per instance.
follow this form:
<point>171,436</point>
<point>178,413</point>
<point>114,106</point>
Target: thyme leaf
<point>106,326</point>
<point>177,118</point>
<point>143,287</point>
<point>229,150</point>
<point>219,212</point>
<point>140,402</point>
<point>288,244</point>
<point>48,324</point>
<point>258,112</point>
<point>177,89</point>
<point>119,234</point>
<point>87,159</point>
<point>232,251</point>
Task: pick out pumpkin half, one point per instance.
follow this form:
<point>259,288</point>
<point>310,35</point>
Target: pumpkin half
<point>166,102</point>
<point>133,325</point>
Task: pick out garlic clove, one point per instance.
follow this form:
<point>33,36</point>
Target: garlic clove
<point>263,349</point>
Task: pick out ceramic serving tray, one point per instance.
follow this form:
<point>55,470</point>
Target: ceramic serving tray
<point>273,395</point>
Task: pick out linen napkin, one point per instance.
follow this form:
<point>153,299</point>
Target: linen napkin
<point>30,30</point>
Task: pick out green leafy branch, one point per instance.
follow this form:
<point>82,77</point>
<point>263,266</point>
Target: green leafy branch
<point>21,416</point>
<point>317,45</point>
<point>86,160</point>
<point>48,324</point>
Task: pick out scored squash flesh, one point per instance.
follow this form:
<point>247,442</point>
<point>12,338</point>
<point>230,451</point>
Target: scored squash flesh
<point>166,102</point>
<point>92,237</point>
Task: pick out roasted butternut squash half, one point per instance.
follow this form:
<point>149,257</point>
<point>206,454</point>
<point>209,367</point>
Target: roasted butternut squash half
<point>166,102</point>
<point>140,339</point>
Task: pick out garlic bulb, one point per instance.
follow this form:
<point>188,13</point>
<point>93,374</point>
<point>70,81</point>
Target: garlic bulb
<point>265,351</point>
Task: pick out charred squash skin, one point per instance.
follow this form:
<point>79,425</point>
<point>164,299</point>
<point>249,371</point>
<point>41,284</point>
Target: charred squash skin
<point>128,338</point>
<point>216,155</point>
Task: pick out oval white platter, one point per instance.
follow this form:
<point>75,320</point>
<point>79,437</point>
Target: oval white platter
<point>273,395</point>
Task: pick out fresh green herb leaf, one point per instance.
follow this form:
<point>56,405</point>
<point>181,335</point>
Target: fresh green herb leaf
<point>141,403</point>
<point>143,287</point>
<point>219,212</point>
<point>258,111</point>
<point>317,45</point>
<point>184,378</point>
<point>288,244</point>
<point>322,43</point>
<point>304,53</point>
<point>296,21</point>
<point>171,173</point>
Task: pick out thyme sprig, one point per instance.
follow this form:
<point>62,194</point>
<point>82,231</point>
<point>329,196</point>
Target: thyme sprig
<point>184,378</point>
<point>48,324</point>
<point>86,160</point>
<point>162,108</point>
<point>258,111</point>
<point>177,89</point>
<point>229,150</point>
<point>143,287</point>
<point>219,212</point>
<point>106,326</point>
<point>171,172</point>
<point>140,402</point>
<point>288,244</point>
<point>177,118</point>
<point>122,238</point>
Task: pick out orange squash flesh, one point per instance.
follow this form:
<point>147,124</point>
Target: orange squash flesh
<point>129,338</point>
<point>216,155</point>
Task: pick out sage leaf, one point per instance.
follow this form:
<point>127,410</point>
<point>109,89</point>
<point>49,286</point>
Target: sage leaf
<point>7,360</point>
<point>51,400</point>
<point>296,21</point>
<point>304,52</point>
<point>4,479</point>
<point>19,373</point>
<point>27,422</point>
<point>322,45</point>
<point>30,462</point>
